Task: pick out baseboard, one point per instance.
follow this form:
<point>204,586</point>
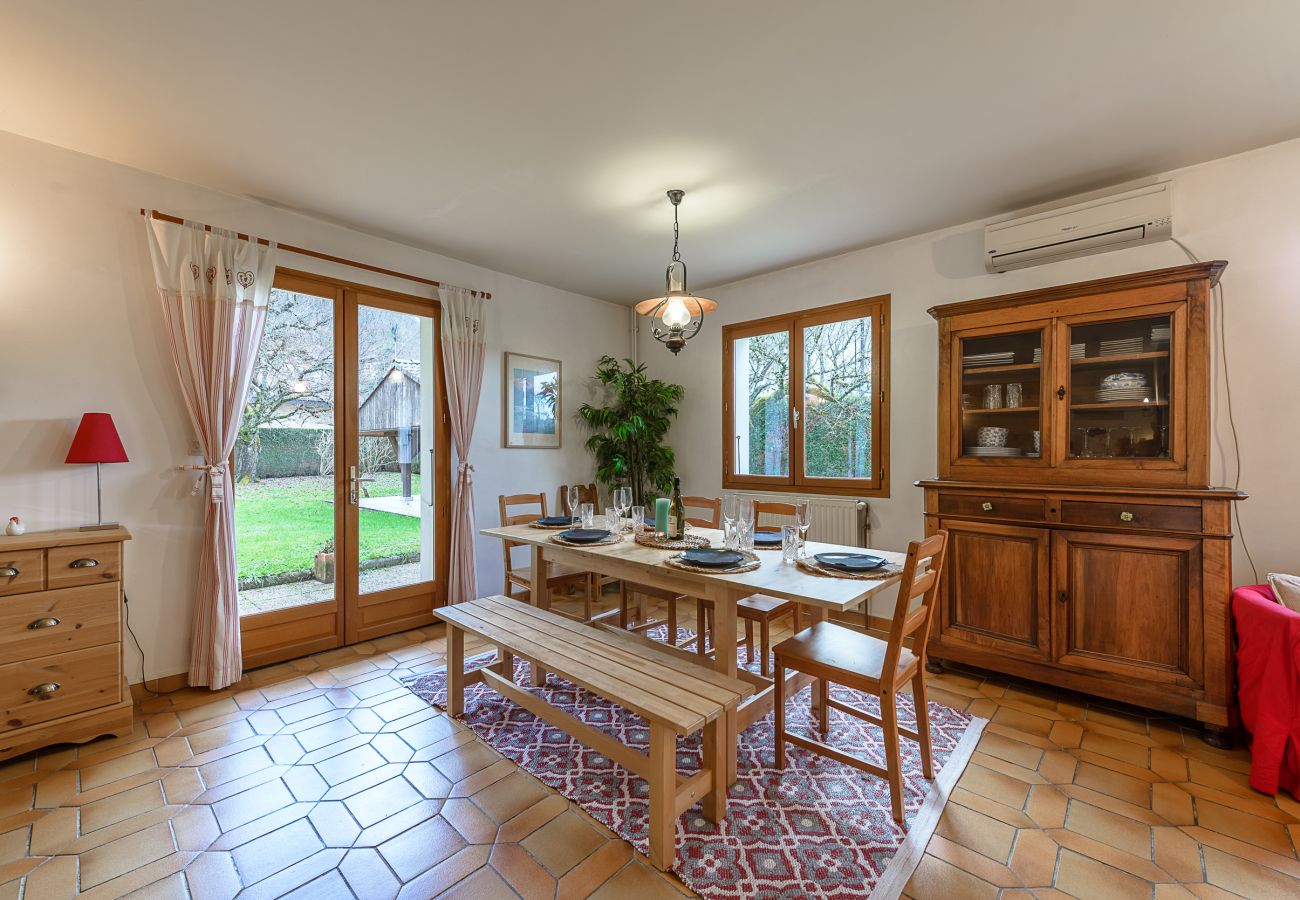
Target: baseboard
<point>162,685</point>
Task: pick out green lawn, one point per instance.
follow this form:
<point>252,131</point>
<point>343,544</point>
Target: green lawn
<point>280,523</point>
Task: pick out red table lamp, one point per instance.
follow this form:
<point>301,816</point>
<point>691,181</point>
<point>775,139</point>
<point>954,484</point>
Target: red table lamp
<point>96,441</point>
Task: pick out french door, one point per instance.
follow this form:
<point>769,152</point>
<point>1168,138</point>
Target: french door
<point>342,481</point>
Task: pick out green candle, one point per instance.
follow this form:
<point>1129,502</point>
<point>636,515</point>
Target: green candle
<point>661,515</point>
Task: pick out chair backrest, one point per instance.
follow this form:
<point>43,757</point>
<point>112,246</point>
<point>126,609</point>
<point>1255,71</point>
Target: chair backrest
<point>921,574</point>
<point>710,506</point>
<point>507,502</point>
<point>587,493</point>
<point>772,508</point>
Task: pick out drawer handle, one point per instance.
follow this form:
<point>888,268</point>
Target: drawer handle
<point>8,572</point>
<point>1126,516</point>
<point>44,689</point>
<point>49,622</point>
<point>83,563</point>
<point>986,506</point>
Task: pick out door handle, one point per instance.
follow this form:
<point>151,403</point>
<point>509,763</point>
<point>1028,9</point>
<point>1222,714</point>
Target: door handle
<point>1060,392</point>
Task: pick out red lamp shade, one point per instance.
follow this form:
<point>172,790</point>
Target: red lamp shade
<point>96,441</point>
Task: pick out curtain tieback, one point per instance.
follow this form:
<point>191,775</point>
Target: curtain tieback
<point>465,470</point>
<point>215,481</point>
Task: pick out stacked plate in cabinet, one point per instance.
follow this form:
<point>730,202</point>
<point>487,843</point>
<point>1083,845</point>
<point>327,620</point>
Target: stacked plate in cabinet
<point>1122,346</point>
<point>1124,386</point>
<point>976,360</point>
<point>993,451</point>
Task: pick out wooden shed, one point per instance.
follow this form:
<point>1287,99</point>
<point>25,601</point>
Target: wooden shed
<point>392,410</point>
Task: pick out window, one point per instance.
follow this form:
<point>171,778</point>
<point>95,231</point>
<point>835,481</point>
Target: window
<point>805,400</point>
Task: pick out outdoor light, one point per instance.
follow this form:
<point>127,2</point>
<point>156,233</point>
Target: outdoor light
<point>679,311</point>
<point>299,386</point>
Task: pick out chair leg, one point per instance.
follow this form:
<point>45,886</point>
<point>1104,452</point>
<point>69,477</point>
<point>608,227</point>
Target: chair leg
<point>778,713</point>
<point>764,645</point>
<point>593,580</point>
<point>642,615</point>
<point>889,716</point>
<point>823,711</point>
<point>701,628</point>
<point>622,605</point>
<point>922,721</point>
<point>749,641</point>
<point>798,619</point>
<point>672,621</point>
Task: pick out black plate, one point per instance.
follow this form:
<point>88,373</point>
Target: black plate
<point>850,562</point>
<point>713,559</point>
<point>555,520</point>
<point>767,538</point>
<point>585,535</point>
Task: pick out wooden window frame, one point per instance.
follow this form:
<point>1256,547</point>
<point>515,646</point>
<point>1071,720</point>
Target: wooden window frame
<point>877,308</point>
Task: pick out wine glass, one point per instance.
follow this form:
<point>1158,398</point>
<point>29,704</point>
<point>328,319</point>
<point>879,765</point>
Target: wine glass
<point>802,518</point>
<point>744,522</point>
<point>573,503</point>
<point>729,511</point>
<point>622,500</point>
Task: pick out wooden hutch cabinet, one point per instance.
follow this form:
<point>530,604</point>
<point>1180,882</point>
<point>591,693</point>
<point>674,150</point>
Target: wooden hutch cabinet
<point>1087,549</point>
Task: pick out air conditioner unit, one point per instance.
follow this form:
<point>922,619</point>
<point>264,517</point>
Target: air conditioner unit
<point>1079,228</point>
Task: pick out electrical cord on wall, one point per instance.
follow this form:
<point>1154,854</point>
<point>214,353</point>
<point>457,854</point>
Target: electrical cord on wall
<point>144,685</point>
<point>1227,393</point>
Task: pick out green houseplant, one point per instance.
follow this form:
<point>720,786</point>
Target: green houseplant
<point>629,429</point>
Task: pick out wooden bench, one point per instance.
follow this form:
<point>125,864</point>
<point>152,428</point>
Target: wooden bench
<point>675,696</point>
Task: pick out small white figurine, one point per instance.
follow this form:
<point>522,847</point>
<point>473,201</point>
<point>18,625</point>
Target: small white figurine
<point>15,526</point>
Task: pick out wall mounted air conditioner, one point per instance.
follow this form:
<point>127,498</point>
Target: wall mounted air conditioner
<point>1079,228</point>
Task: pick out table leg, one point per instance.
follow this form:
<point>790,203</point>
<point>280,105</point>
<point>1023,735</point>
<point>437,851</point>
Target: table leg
<point>724,661</point>
<point>816,614</point>
<point>541,598</point>
<point>455,671</point>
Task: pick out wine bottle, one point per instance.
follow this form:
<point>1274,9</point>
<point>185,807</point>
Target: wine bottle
<point>677,513</point>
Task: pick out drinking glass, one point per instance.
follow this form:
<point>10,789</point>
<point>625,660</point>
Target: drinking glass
<point>638,520</point>
<point>1015,395</point>
<point>745,523</point>
<point>573,502</point>
<point>803,519</point>
<point>790,544</point>
<point>992,396</point>
<point>586,514</point>
<point>729,509</point>
<point>613,521</point>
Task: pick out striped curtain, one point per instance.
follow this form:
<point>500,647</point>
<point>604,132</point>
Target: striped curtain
<point>214,290</point>
<point>464,348</point>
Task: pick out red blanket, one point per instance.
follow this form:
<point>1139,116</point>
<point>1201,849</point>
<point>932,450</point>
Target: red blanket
<point>1268,686</point>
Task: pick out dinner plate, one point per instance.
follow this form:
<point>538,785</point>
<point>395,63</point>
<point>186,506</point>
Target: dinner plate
<point>767,538</point>
<point>850,562</point>
<point>713,559</point>
<point>585,535</point>
<point>555,520</point>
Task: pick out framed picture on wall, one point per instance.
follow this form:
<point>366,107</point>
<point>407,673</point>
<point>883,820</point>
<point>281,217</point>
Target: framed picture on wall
<point>531,402</point>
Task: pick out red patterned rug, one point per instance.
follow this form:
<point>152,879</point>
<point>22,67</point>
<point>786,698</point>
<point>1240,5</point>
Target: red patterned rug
<point>818,829</point>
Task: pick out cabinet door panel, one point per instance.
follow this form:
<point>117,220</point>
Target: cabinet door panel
<point>996,588</point>
<point>1129,605</point>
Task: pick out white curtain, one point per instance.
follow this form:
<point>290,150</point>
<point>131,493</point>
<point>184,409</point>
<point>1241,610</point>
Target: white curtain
<point>214,290</point>
<point>464,348</point>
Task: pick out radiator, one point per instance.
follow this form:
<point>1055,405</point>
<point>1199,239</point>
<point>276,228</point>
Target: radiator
<point>835,520</point>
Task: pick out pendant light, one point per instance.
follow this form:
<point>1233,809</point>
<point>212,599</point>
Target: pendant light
<point>680,313</point>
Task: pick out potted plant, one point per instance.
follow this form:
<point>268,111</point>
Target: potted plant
<point>628,431</point>
<point>323,568</point>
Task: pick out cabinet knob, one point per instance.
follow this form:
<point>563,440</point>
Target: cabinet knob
<point>8,572</point>
<point>986,506</point>
<point>48,622</point>
<point>83,563</point>
<point>44,689</point>
<point>1060,392</point>
<point>1126,516</point>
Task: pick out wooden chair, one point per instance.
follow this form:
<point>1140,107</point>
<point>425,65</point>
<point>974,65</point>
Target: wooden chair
<point>827,650</point>
<point>587,493</point>
<point>520,577</point>
<point>758,609</point>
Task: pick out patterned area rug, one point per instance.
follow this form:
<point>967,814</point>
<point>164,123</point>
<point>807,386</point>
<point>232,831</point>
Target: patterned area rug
<point>818,829</point>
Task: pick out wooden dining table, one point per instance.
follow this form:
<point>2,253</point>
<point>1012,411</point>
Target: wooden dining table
<point>638,564</point>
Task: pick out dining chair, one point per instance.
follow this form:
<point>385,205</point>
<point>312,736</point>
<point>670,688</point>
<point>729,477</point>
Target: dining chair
<point>756,609</point>
<point>837,654</point>
<point>520,577</point>
<point>587,493</point>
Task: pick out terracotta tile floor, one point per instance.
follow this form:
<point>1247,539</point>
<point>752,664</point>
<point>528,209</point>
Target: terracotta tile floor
<point>325,778</point>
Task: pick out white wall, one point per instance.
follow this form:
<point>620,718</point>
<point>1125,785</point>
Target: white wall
<point>1245,209</point>
<point>80,330</point>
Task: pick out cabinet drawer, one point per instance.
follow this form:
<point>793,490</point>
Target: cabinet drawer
<point>22,571</point>
<point>994,506</point>
<point>1132,515</point>
<point>72,682</point>
<point>83,564</point>
<point>49,622</point>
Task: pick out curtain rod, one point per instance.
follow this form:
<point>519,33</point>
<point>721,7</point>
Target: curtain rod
<point>302,251</point>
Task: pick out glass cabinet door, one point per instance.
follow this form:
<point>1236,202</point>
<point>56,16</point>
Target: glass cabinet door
<point>1119,387</point>
<point>1001,396</point>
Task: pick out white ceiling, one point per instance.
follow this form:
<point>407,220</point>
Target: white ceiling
<point>538,138</point>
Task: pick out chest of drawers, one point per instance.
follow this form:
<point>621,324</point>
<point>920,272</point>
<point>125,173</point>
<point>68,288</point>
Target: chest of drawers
<point>61,666</point>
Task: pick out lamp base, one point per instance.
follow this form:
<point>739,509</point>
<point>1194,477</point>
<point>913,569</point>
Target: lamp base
<point>99,527</point>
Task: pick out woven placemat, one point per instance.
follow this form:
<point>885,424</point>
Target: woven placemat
<point>813,567</point>
<point>612,539</point>
<point>551,527</point>
<point>750,566</point>
<point>685,542</point>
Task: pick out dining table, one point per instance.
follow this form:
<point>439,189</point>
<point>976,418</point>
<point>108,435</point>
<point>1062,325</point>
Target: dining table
<point>635,563</point>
